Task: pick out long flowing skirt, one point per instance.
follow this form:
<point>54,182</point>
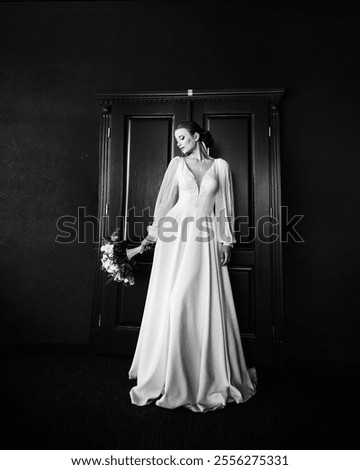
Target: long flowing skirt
<point>189,351</point>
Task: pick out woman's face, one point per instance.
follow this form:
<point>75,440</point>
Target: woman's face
<point>186,141</point>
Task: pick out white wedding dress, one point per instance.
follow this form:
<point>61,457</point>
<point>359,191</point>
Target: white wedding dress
<point>189,351</point>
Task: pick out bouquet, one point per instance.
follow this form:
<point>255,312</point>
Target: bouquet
<point>116,259</point>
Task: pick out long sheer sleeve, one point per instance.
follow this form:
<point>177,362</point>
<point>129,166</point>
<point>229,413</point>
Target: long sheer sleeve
<point>166,197</point>
<point>224,206</point>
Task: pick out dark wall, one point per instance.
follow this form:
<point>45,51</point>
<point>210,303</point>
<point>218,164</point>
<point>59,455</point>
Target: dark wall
<point>54,59</point>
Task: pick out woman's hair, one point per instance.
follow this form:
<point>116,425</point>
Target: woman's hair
<point>193,127</point>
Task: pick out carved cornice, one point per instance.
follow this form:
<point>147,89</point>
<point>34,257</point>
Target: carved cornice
<point>272,95</point>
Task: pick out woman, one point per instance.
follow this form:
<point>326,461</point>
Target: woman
<point>189,351</point>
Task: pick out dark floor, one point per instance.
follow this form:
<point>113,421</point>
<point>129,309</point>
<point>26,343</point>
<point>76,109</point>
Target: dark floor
<point>68,397</point>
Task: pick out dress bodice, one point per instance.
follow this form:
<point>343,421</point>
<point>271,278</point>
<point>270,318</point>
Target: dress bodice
<point>180,194</point>
<point>191,193</point>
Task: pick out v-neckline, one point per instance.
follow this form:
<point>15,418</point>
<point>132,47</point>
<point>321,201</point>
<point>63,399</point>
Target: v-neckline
<point>202,179</point>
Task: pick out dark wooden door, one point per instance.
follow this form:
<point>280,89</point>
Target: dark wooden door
<point>136,145</point>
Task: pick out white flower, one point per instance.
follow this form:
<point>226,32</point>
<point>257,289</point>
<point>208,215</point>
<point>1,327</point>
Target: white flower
<point>118,277</point>
<point>108,249</point>
<point>105,262</point>
<point>109,265</point>
<point>112,269</point>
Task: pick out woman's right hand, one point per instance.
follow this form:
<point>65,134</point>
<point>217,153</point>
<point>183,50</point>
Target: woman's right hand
<point>145,243</point>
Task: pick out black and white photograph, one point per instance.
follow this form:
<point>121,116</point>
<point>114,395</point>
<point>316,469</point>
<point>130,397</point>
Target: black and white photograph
<point>179,242</point>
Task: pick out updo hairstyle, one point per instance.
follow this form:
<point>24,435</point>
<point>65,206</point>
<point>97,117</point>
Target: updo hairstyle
<point>192,127</point>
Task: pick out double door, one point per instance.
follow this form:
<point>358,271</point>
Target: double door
<point>136,145</point>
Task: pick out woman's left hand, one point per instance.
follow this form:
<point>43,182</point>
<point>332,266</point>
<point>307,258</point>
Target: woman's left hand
<point>225,254</point>
<point>146,245</point>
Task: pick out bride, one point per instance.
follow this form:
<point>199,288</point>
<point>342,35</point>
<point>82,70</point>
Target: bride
<point>189,350</point>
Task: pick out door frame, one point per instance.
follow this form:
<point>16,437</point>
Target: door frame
<point>273,97</point>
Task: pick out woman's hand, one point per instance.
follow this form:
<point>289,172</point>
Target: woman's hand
<point>145,244</point>
<point>225,254</point>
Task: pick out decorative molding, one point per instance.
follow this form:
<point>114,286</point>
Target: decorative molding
<point>272,95</point>
<point>103,198</point>
<point>276,247</point>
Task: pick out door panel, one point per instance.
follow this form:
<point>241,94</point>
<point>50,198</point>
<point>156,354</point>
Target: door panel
<point>149,145</point>
<point>233,139</point>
